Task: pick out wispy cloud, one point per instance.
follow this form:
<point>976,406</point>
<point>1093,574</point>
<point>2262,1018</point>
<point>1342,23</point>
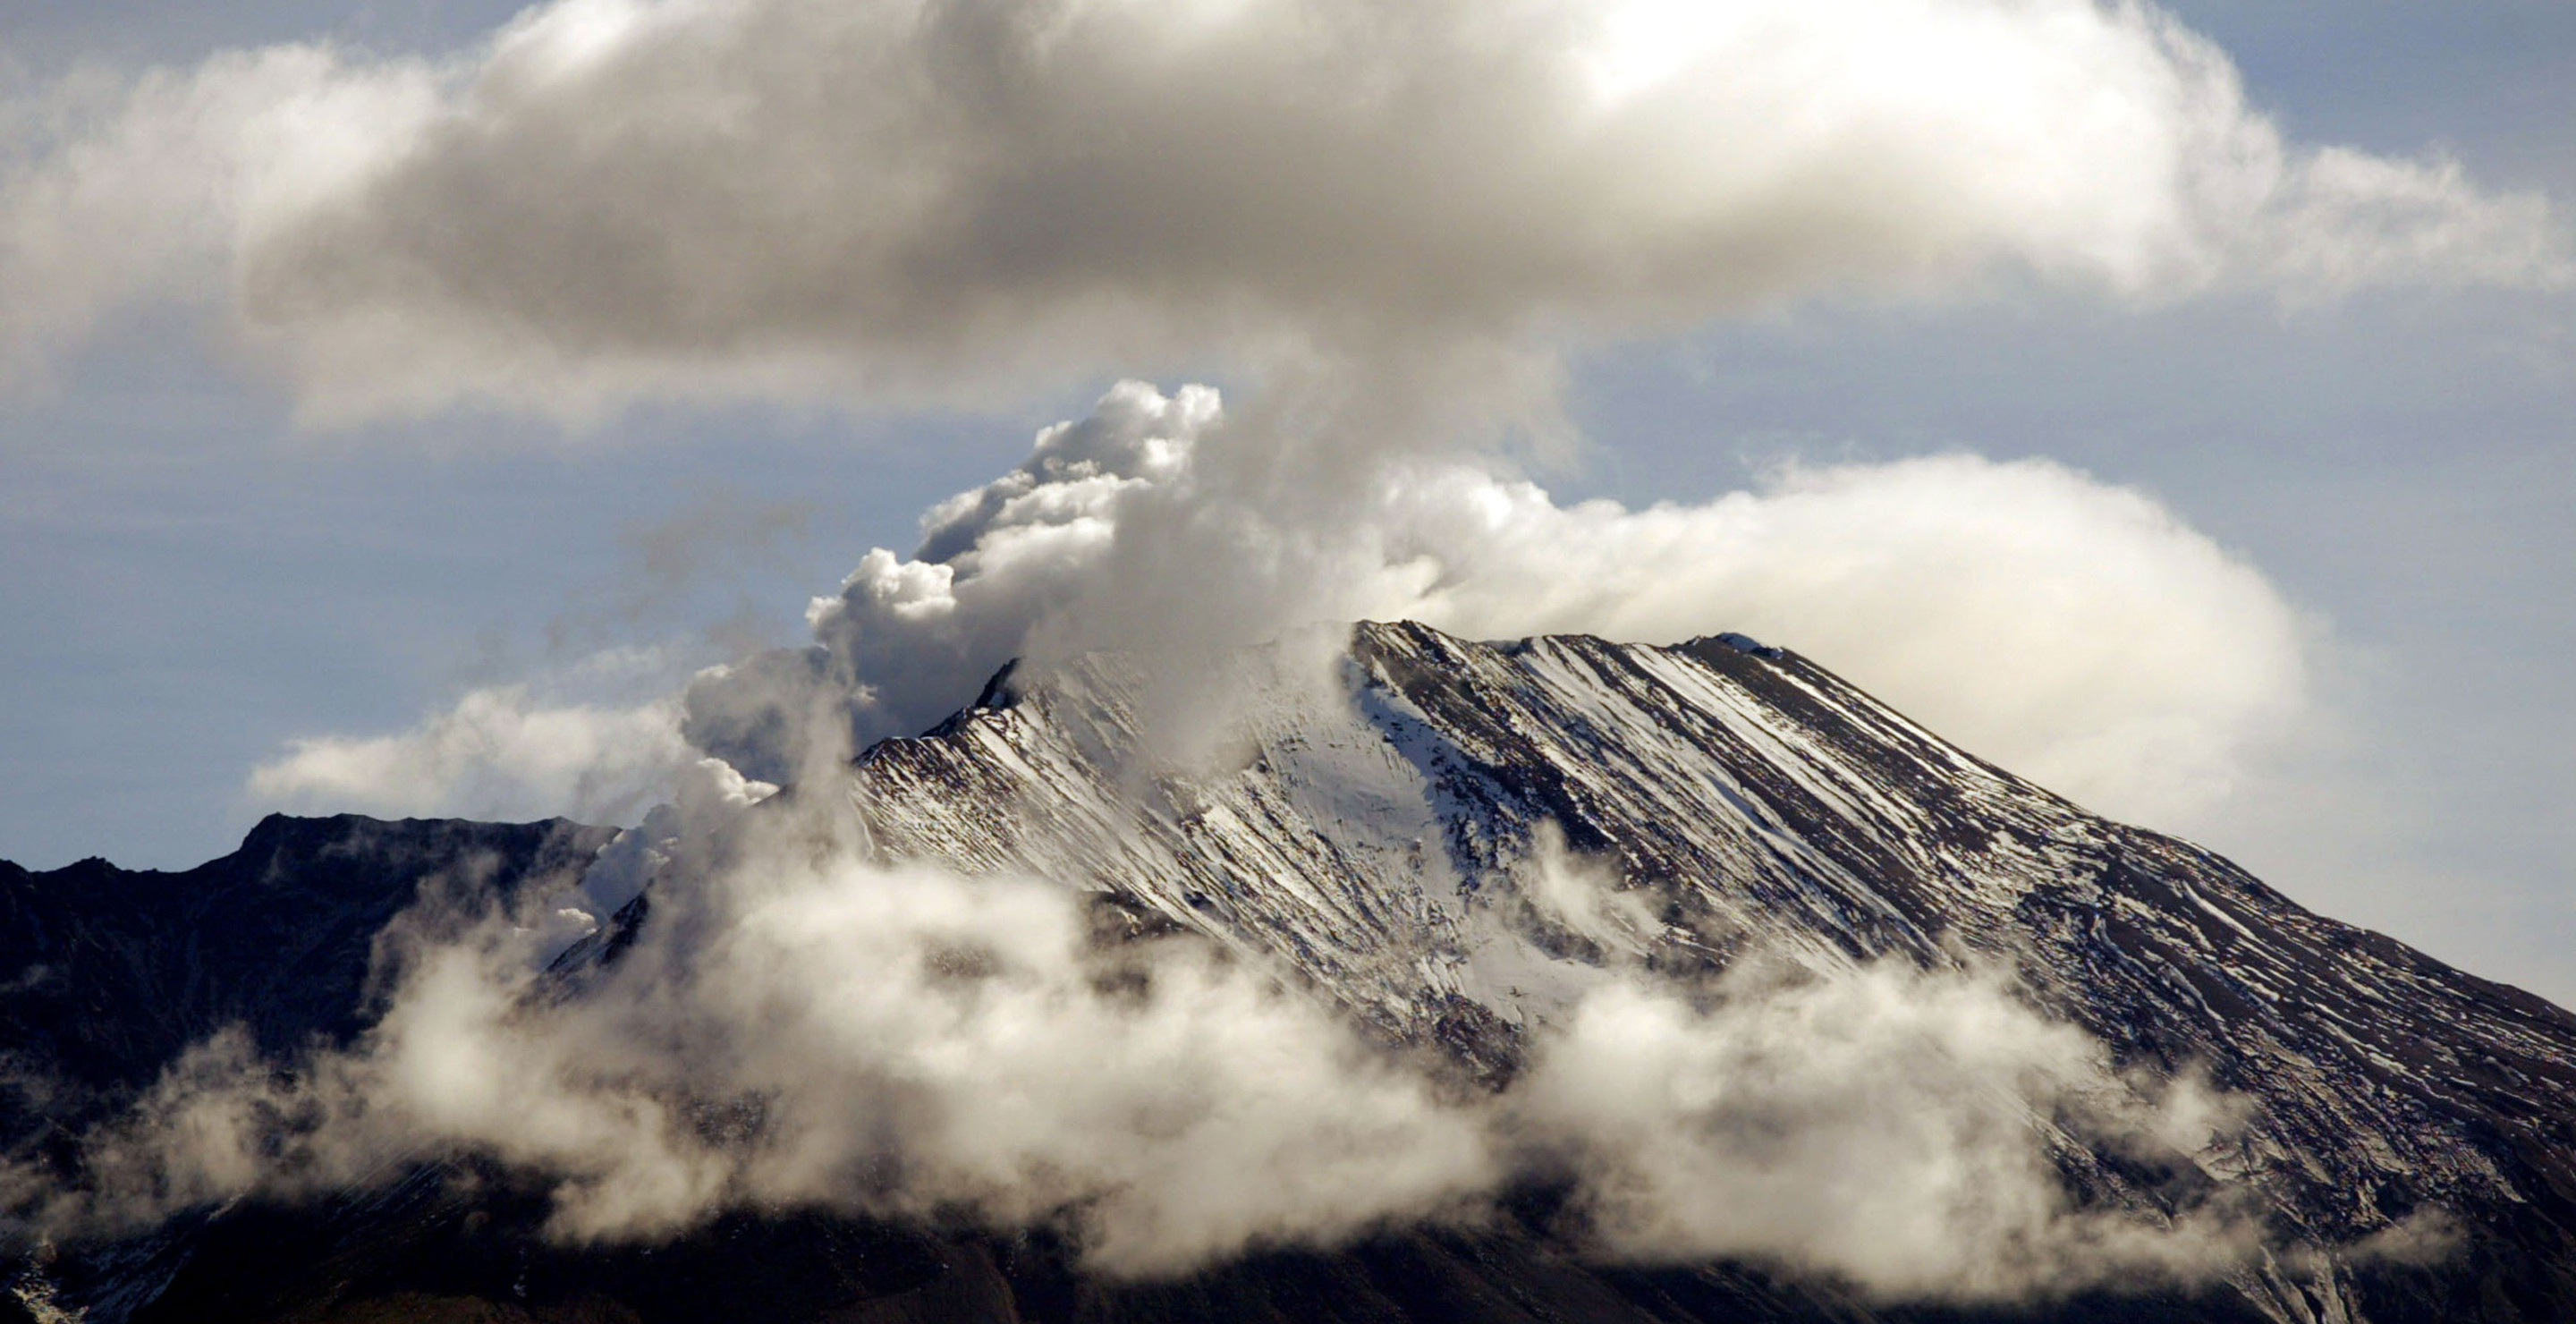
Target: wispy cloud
<point>562,744</point>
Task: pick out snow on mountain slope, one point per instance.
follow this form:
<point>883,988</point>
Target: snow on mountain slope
<point>1463,843</point>
<point>1388,829</point>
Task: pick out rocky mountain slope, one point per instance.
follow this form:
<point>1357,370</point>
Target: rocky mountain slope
<point>1374,830</point>
<point>1384,818</point>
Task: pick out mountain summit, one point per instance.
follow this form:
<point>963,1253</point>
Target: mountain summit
<point>1468,847</point>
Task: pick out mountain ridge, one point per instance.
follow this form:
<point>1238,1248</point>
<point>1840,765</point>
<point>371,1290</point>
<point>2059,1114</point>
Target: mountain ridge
<point>113,971</point>
<point>1379,819</point>
<point>1818,819</point>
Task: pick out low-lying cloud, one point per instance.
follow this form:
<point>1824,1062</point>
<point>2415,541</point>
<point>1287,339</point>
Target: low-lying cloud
<point>612,200</point>
<point>799,1028</point>
<point>1882,1124</point>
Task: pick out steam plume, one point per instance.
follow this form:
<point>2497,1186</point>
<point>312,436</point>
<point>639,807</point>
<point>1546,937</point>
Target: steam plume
<point>2075,632</point>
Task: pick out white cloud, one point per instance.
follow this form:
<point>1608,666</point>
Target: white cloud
<point>2077,633</point>
<point>801,1030</point>
<point>2074,632</point>
<point>900,1042</point>
<point>2351,219</point>
<point>514,751</point>
<point>1881,1125</point>
<point>118,193</point>
<point>617,199</point>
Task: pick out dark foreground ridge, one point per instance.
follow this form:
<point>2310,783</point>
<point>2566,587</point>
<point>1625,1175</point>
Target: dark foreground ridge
<point>110,972</point>
<point>1745,790</point>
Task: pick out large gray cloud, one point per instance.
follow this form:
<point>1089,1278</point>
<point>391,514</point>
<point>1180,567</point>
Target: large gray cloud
<point>614,199</point>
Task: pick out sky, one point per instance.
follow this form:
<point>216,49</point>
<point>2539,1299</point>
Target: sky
<point>215,546</point>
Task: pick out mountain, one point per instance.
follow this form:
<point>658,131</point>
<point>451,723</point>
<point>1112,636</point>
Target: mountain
<point>1756,794</point>
<point>1366,815</point>
<point>110,972</point>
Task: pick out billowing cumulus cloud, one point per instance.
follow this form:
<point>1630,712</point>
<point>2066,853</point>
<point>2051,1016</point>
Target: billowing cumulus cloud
<point>2075,632</point>
<point>614,199</point>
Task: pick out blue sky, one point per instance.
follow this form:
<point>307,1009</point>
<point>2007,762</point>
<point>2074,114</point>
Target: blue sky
<point>192,579</point>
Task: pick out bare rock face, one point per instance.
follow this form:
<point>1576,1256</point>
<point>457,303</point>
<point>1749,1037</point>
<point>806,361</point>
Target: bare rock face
<point>1378,817</point>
